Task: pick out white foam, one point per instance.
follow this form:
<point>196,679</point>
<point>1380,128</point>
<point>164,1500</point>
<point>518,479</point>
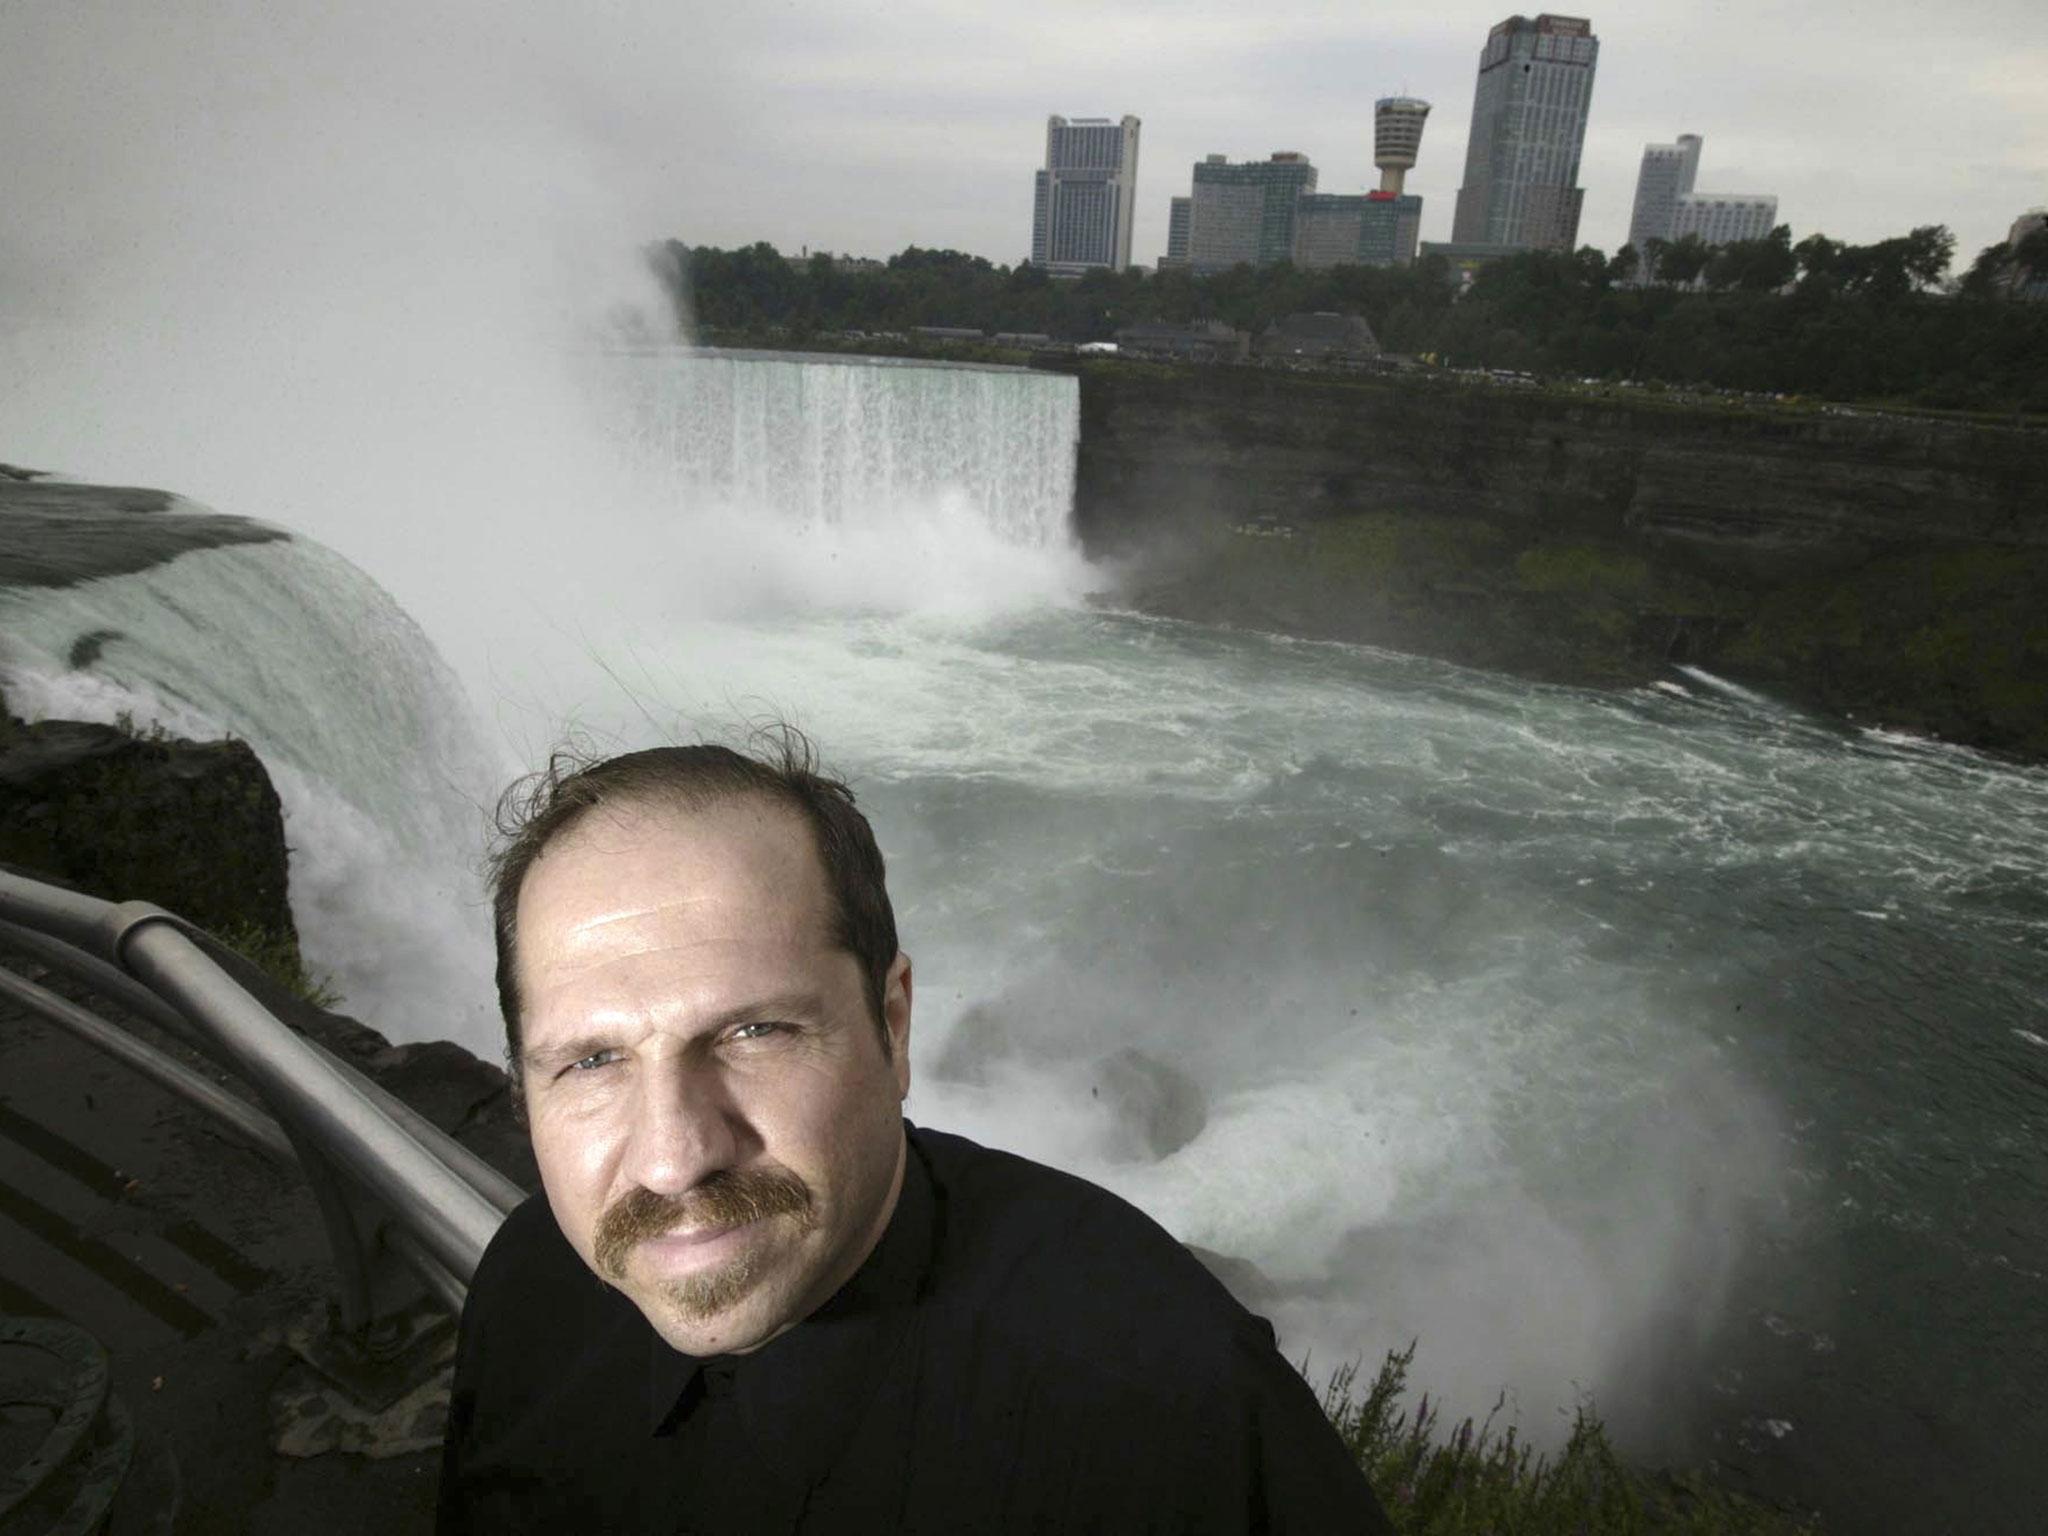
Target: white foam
<point>366,738</point>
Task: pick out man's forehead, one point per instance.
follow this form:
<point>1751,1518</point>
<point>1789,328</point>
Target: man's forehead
<point>742,857</point>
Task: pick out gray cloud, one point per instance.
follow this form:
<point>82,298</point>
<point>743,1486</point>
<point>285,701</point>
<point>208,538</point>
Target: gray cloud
<point>868,127</point>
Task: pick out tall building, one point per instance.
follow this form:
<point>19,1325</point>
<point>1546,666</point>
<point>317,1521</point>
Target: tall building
<point>1667,173</point>
<point>1528,126</point>
<point>1668,208</point>
<point>1178,214</point>
<point>1721,218</point>
<point>1083,201</point>
<point>1372,229</point>
<point>1245,210</point>
<point>1397,138</point>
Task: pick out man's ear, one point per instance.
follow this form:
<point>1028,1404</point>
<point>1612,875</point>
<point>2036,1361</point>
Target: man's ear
<point>896,1020</point>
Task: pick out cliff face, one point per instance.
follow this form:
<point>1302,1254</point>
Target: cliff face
<point>194,1263</point>
<point>193,826</point>
<point>1889,568</point>
<point>197,828</point>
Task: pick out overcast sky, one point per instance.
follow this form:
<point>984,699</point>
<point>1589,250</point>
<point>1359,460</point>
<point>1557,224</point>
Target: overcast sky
<point>865,127</point>
<point>876,126</point>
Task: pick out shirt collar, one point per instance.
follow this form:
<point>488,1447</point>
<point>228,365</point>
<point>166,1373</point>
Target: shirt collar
<point>819,1370</point>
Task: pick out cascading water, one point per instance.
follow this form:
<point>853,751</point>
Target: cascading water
<point>831,442</point>
<point>366,734</point>
<point>1657,1044</point>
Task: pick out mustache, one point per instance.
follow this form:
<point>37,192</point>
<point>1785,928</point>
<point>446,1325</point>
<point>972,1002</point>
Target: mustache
<point>732,1197</point>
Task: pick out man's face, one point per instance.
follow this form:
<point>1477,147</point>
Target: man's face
<point>718,1126</point>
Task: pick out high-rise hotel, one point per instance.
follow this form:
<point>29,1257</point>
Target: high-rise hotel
<point>1083,200</point>
<point>1667,175</point>
<point>1244,211</point>
<point>1667,207</point>
<point>1528,127</point>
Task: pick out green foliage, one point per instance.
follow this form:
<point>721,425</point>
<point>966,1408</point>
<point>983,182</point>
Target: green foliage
<point>2031,254</point>
<point>277,955</point>
<point>1683,259</point>
<point>1477,1479</point>
<point>1818,320</point>
<point>1581,568</point>
<point>1989,273</point>
<point>1952,642</point>
<point>756,293</point>
<point>1755,266</point>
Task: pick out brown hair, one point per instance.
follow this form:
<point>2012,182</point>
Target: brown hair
<point>782,768</point>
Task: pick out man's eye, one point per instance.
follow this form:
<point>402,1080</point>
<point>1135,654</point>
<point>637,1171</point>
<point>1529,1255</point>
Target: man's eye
<point>593,1061</point>
<point>756,1031</point>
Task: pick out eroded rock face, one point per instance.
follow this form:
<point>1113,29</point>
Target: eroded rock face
<point>193,826</point>
<point>1888,568</point>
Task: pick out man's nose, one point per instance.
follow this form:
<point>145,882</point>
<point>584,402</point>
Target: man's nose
<point>686,1126</point>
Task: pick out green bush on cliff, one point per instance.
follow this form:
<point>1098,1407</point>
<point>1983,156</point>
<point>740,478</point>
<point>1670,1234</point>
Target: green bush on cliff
<point>1476,1481</point>
<point>1581,568</point>
<point>1955,643</point>
<point>277,955</point>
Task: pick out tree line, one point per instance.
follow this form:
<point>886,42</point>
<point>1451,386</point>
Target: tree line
<point>1820,318</point>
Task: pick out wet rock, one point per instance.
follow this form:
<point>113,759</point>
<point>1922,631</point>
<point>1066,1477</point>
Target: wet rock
<point>87,648</point>
<point>1160,1107</point>
<point>193,826</point>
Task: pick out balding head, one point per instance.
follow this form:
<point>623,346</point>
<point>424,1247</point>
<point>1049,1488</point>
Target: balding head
<point>783,774</point>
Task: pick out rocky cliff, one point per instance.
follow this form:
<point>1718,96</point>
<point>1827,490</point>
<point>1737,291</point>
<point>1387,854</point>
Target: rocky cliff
<point>197,1265</point>
<point>1890,568</point>
<point>193,826</point>
<point>197,828</point>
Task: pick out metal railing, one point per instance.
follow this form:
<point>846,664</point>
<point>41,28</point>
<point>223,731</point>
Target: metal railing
<point>408,1210</point>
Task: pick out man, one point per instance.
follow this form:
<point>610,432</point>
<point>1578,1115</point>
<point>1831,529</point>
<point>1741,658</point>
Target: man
<point>754,1299</point>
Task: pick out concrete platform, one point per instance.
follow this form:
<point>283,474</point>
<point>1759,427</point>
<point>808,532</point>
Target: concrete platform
<point>195,1261</point>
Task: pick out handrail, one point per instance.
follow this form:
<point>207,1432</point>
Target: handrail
<point>254,1125</point>
<point>131,994</point>
<point>444,1202</point>
<point>103,979</point>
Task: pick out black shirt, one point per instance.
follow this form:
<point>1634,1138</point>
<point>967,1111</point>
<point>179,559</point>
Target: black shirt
<point>1022,1351</point>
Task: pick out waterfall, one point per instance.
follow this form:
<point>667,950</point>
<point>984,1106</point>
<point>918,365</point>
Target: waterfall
<point>365,732</point>
<point>727,488</point>
<point>815,442</point>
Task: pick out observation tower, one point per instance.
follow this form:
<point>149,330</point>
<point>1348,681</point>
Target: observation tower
<point>1396,138</point>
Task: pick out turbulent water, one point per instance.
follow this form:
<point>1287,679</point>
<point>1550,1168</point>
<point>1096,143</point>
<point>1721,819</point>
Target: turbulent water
<point>1667,1046</point>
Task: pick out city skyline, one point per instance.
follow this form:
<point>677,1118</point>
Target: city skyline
<point>814,127</point>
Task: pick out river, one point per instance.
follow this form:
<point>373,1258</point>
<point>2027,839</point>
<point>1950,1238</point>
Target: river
<point>1670,1047</point>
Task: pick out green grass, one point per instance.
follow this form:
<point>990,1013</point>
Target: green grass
<point>277,955</point>
<point>1582,569</point>
<point>1477,1480</point>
